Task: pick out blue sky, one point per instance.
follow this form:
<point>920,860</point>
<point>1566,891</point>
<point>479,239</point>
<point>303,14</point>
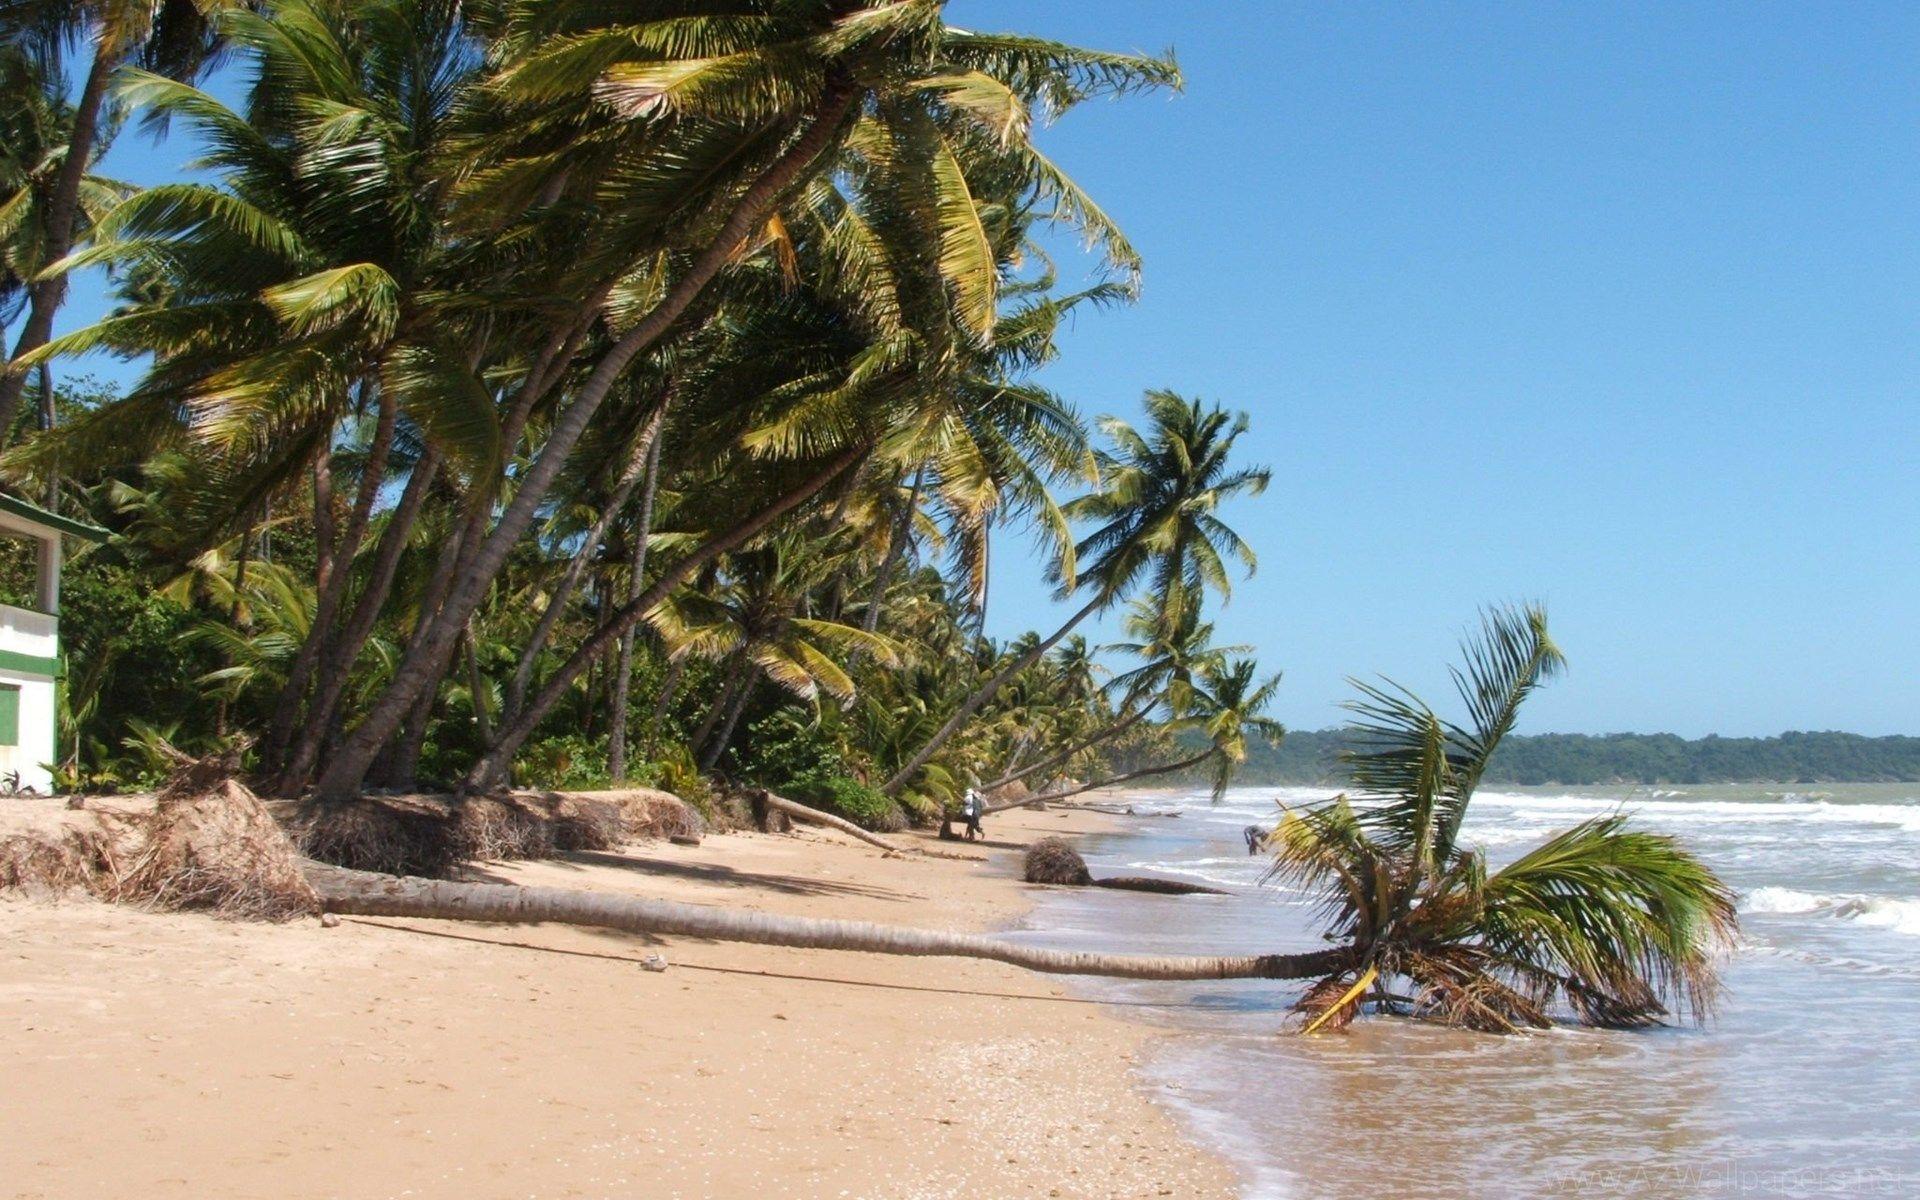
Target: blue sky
<point>1610,306</point>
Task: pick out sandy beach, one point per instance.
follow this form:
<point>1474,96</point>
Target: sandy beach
<point>175,1055</point>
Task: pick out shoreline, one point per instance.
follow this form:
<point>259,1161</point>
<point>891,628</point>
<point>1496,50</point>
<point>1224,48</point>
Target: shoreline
<point>177,1055</point>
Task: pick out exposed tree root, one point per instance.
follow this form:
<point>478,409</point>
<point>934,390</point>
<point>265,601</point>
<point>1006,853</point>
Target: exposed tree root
<point>430,835</point>
<point>1054,860</point>
<point>203,842</point>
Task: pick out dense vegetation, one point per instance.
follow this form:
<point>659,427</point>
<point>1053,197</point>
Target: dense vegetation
<point>547,393</point>
<point>1578,758</point>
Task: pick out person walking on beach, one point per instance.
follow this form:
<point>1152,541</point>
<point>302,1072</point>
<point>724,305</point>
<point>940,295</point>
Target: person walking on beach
<point>972,808</point>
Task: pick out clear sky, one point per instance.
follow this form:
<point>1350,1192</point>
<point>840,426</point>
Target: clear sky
<point>1616,307</point>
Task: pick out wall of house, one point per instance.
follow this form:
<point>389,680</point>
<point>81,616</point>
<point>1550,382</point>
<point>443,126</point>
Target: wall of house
<point>35,751</point>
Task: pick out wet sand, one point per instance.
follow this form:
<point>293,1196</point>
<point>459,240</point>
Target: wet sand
<point>173,1055</point>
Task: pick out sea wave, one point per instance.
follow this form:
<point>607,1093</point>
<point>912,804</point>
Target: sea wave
<point>1895,913</point>
<point>1905,817</point>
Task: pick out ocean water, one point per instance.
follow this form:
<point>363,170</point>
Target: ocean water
<point>1806,1083</point>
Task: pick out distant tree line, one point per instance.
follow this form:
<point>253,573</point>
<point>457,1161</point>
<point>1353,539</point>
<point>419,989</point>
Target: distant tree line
<point>1578,758</point>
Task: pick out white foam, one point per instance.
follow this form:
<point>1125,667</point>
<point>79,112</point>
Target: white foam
<point>1791,807</point>
<point>1894,913</point>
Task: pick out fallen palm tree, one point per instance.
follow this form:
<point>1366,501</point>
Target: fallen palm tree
<point>1054,860</point>
<point>361,894</point>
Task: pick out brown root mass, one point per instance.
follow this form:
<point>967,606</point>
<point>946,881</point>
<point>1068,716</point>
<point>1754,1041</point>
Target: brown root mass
<point>48,864</point>
<point>431,835</point>
<point>1054,860</point>
<point>216,849</point>
<point>204,842</point>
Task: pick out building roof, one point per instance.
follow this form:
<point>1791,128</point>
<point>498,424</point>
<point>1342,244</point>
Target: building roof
<point>46,518</point>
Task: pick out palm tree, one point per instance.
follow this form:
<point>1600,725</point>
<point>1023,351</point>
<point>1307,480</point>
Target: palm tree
<point>1614,924</point>
<point>172,37</point>
<point>35,129</point>
<point>1154,509</point>
<point>1171,651</point>
<point>1225,703</point>
<point>753,621</point>
<point>715,122</point>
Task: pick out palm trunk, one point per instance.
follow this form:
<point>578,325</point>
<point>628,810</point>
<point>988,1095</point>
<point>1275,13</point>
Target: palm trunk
<point>1113,781</point>
<point>738,705</point>
<point>362,893</point>
<point>336,568</point>
<point>636,580</point>
<point>476,688</point>
<point>730,683</point>
<point>984,693</point>
<point>490,768</point>
<point>49,417</point>
<point>323,542</point>
<point>813,816</point>
<point>576,570</point>
<point>1105,735</point>
<point>46,296</point>
<point>343,775</point>
<point>233,619</point>
<point>668,690</point>
<point>896,549</point>
<point>333,670</point>
<point>398,767</point>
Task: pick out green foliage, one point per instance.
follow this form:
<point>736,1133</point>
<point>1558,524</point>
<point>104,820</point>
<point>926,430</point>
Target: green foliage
<point>129,660</point>
<point>782,749</point>
<point>1610,924</point>
<point>567,762</point>
<point>865,806</point>
<point>801,760</point>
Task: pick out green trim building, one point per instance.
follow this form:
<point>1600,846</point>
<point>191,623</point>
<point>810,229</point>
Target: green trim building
<point>30,644</point>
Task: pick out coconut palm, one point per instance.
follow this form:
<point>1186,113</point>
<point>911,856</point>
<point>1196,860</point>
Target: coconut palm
<point>1154,517</point>
<point>35,128</point>
<point>753,621</point>
<point>1611,923</point>
<point>172,37</point>
<point>1170,652</point>
<point>1224,703</point>
<point>690,132</point>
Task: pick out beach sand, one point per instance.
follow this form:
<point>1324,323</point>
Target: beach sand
<point>179,1056</point>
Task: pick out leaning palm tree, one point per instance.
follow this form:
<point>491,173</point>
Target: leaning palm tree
<point>755,622</point>
<point>695,131</point>
<point>1610,924</point>
<point>172,37</point>
<point>1225,704</point>
<point>1171,649</point>
<point>1154,515</point>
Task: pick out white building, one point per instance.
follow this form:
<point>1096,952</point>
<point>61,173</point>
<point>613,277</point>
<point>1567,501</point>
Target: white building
<point>30,645</point>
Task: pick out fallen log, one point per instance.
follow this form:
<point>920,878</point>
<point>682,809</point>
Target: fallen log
<point>359,893</point>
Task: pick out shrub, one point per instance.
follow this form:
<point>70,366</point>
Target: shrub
<point>568,762</point>
<point>865,806</point>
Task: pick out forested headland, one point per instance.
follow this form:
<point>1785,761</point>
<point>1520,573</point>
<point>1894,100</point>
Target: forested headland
<point>1311,756</point>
